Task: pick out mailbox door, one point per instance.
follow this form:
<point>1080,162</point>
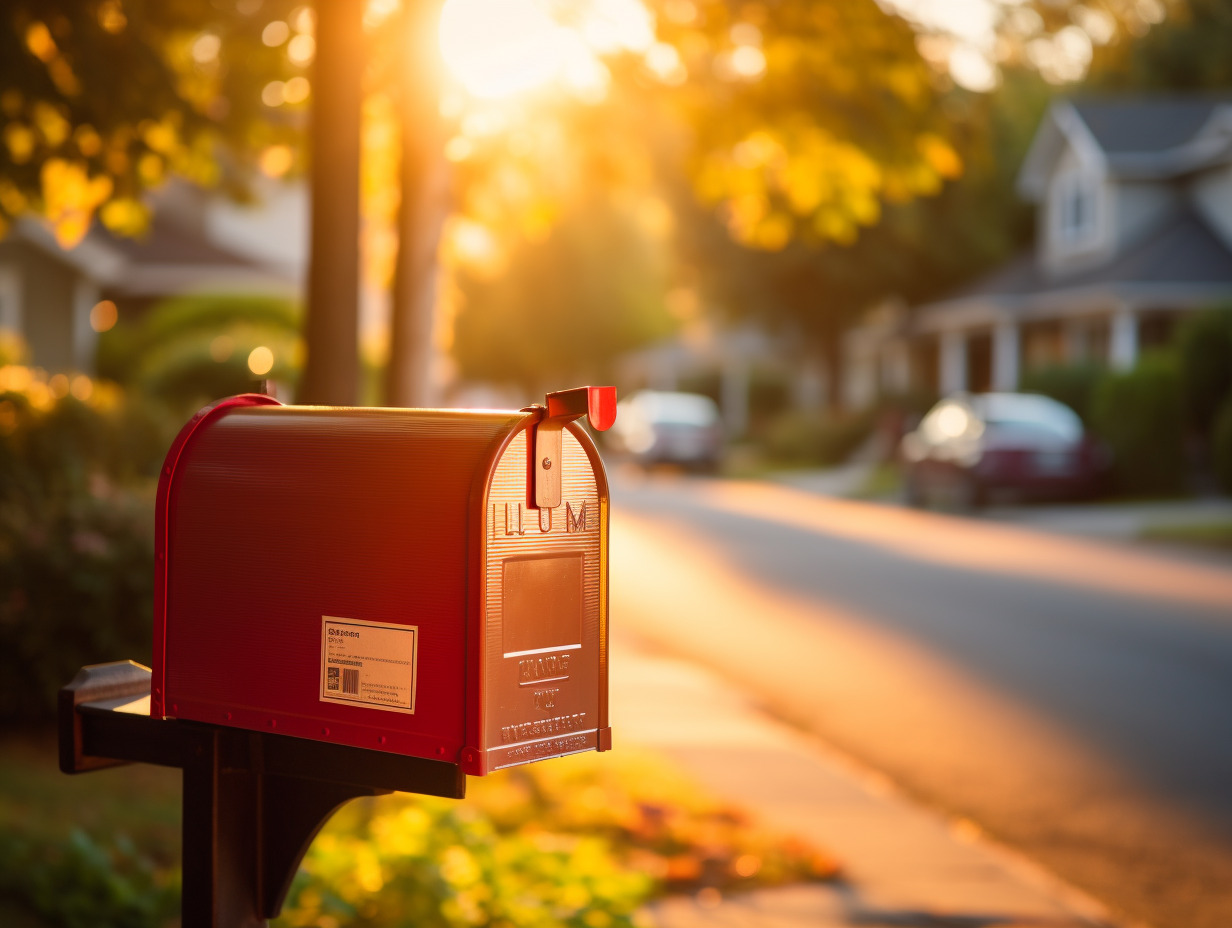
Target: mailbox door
<point>284,526</point>
<point>543,612</point>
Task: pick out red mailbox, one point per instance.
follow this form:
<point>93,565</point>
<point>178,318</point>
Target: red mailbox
<point>422,582</point>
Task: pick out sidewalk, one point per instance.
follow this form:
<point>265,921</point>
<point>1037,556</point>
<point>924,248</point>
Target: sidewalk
<point>1111,521</point>
<point>905,867</point>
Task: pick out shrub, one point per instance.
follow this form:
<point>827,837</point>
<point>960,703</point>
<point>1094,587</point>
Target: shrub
<point>816,439</point>
<point>189,350</point>
<point>79,884</point>
<point>1204,349</point>
<point>1071,384</point>
<point>1140,414</point>
<point>1221,445</point>
<point>76,532</point>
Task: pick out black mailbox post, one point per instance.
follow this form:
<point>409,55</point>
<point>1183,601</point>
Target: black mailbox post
<point>252,801</point>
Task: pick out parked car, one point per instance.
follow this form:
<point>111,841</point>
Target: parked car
<point>969,446</point>
<point>659,427</point>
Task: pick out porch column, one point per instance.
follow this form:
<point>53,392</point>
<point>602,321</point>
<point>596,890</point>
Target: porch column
<point>953,362</point>
<point>1005,356</point>
<point>1123,339</point>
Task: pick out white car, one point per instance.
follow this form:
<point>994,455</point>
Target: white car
<point>659,427</point>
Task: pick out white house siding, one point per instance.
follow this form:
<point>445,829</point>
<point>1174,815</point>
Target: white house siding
<point>1059,256</point>
<point>1211,195</point>
<point>47,290</point>
<point>10,297</point>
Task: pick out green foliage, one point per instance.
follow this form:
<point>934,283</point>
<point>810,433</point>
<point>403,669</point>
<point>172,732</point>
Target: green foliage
<point>102,101</point>
<point>436,864</point>
<point>816,439</point>
<point>1188,51</point>
<point>193,349</point>
<point>78,884</point>
<point>76,542</point>
<point>1140,414</point>
<point>1221,445</point>
<point>566,305</point>
<point>1204,350</point>
<point>1071,384</point>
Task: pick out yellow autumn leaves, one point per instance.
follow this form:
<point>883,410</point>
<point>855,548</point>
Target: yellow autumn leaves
<point>777,183</point>
<point>80,171</point>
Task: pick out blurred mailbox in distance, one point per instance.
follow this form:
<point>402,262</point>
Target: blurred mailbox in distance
<point>423,582</point>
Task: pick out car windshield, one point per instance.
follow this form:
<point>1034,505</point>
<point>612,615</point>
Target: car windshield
<point>1029,413</point>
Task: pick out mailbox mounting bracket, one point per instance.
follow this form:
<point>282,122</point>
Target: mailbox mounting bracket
<point>597,404</point>
<point>252,801</point>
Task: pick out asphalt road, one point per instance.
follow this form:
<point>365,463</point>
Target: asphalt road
<point>1071,698</point>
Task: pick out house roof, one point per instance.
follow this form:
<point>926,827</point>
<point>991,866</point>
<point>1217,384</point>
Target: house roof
<point>1183,251</point>
<point>1145,138</point>
<point>1146,126</point>
<point>170,242</point>
<point>173,256</point>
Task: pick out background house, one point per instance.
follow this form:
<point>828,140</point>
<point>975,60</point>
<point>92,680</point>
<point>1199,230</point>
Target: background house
<point>1133,229</point>
<point>195,244</point>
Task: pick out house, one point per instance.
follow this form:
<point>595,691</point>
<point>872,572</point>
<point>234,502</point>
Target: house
<point>1133,230</point>
<point>193,245</point>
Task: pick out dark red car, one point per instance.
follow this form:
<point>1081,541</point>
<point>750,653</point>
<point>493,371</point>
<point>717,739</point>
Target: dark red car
<point>971,446</point>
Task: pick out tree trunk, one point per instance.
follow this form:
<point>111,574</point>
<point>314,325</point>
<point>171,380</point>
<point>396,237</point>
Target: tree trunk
<point>422,211</point>
<point>331,326</point>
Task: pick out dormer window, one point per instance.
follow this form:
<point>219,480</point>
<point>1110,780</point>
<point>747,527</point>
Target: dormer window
<point>1075,209</point>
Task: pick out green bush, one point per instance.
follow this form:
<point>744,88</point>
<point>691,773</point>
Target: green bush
<point>78,884</point>
<point>816,439</point>
<point>1204,349</point>
<point>1221,445</point>
<point>1071,384</point>
<point>190,350</point>
<point>76,534</point>
<point>1140,414</point>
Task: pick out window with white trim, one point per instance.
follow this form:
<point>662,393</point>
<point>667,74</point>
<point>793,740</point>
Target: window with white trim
<point>1074,207</point>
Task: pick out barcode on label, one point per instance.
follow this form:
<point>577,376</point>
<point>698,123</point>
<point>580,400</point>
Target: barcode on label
<point>350,681</point>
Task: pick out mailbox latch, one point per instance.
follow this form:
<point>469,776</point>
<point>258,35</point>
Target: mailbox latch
<point>597,404</point>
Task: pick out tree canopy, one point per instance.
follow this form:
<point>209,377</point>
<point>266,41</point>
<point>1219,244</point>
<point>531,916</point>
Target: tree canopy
<point>103,100</point>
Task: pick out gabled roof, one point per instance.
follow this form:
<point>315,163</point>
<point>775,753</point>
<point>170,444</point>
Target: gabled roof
<point>1183,251</point>
<point>1148,126</point>
<point>1143,138</point>
<point>173,256</point>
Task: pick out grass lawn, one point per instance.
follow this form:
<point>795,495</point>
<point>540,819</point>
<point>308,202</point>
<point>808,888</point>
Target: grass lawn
<point>1216,535</point>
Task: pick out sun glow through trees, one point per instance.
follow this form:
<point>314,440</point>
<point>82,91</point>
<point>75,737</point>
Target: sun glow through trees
<point>501,48</point>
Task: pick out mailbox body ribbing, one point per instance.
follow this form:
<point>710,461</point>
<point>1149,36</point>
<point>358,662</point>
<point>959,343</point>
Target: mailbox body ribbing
<point>378,578</point>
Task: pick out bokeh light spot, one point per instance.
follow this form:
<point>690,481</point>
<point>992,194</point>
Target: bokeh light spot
<point>103,316</point>
<point>275,33</point>
<point>276,160</point>
<point>261,360</point>
<point>82,387</point>
<point>296,90</point>
<point>302,49</point>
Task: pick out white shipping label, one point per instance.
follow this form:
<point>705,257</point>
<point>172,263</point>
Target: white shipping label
<point>368,663</point>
